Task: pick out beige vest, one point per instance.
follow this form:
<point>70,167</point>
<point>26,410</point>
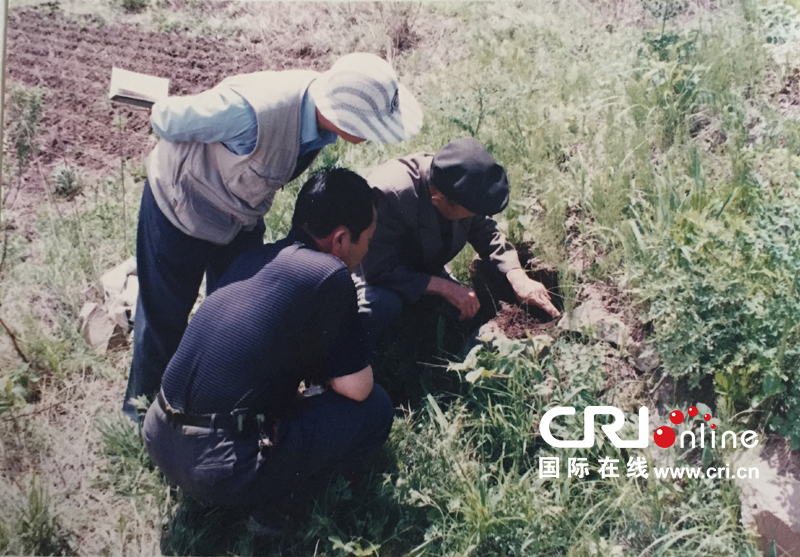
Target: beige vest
<point>210,193</point>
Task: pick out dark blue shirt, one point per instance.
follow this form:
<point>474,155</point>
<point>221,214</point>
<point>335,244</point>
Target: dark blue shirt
<point>282,313</point>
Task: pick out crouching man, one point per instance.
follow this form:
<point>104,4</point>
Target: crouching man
<point>429,207</point>
<point>229,426</point>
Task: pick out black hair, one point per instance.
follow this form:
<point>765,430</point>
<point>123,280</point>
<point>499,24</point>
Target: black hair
<point>332,198</point>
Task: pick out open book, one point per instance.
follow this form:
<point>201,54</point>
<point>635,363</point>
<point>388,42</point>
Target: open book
<point>137,89</point>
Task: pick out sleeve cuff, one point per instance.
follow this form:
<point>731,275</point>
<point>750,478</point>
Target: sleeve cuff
<point>508,263</point>
<point>416,287</point>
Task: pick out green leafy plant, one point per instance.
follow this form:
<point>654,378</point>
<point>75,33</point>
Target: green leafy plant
<point>24,116</point>
<point>134,6</point>
<point>720,274</point>
<point>664,10</point>
<point>17,388</point>
<point>130,470</point>
<point>672,81</point>
<point>66,180</point>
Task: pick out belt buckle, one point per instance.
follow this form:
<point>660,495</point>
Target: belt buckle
<point>264,441</point>
<point>239,415</point>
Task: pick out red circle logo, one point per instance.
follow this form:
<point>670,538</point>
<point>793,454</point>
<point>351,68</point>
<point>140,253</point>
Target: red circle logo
<point>664,437</point>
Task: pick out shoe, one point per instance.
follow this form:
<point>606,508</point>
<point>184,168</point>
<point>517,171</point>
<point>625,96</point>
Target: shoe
<point>267,522</point>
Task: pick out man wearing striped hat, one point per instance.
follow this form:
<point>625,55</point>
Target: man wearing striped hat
<point>213,175</point>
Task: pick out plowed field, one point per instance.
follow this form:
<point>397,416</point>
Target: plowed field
<point>71,61</point>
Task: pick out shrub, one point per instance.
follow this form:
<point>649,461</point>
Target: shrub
<point>24,115</point>
<point>134,6</point>
<point>66,180</point>
<point>721,280</point>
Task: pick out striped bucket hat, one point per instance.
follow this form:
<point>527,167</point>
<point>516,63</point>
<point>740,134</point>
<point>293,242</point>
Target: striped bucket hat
<point>360,95</point>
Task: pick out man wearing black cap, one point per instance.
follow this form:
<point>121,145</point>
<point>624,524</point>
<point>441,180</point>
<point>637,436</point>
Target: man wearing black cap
<point>429,207</point>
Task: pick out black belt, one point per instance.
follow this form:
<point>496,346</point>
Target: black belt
<point>237,420</point>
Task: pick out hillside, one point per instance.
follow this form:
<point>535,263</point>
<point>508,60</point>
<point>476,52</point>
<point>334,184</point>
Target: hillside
<point>653,149</point>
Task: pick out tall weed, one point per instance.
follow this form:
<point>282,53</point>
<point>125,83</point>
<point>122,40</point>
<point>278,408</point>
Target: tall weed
<point>36,529</point>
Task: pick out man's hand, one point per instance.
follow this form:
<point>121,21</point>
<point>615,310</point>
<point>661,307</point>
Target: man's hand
<point>464,299</point>
<point>529,291</point>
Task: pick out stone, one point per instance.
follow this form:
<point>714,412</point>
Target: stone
<point>86,311</point>
<point>771,503</point>
<point>121,316</point>
<point>100,330</point>
<point>121,289</point>
<point>490,331</point>
<point>129,295</point>
<point>645,358</point>
<point>492,334</point>
<point>114,281</point>
<point>591,319</point>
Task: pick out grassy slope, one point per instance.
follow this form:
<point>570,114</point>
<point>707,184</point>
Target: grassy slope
<point>573,102</point>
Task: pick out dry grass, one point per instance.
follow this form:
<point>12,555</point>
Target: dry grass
<point>61,443</point>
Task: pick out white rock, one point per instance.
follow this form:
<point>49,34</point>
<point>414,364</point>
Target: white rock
<point>86,311</point>
<point>593,320</point>
<point>120,315</point>
<point>490,331</point>
<point>131,291</point>
<point>100,331</point>
<point>771,503</point>
<point>113,281</point>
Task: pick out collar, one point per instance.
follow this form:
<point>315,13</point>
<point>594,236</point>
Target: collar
<point>300,236</point>
<point>309,131</point>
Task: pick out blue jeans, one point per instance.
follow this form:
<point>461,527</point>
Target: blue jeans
<point>322,435</point>
<point>170,267</point>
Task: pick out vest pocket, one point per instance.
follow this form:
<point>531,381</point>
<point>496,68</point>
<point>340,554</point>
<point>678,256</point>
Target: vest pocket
<point>201,217</point>
<point>255,185</point>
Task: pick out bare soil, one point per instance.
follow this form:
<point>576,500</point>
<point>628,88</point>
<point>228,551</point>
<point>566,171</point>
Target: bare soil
<point>499,303</point>
<point>515,322</point>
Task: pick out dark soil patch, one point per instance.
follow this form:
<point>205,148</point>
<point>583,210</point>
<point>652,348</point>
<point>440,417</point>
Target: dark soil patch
<point>499,303</point>
<point>516,322</point>
<point>787,95</point>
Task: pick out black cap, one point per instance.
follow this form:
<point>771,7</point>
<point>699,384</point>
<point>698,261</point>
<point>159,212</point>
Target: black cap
<point>465,172</point>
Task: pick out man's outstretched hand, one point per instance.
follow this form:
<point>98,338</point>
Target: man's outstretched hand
<point>464,299</point>
<point>529,291</point>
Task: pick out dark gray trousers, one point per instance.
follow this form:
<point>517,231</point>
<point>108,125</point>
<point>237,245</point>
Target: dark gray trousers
<point>323,434</point>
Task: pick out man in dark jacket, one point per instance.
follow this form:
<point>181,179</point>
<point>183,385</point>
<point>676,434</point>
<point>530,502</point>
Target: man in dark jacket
<point>429,207</point>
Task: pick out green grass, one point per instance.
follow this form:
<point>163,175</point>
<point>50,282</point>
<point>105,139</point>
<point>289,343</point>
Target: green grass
<point>33,528</point>
<point>130,470</point>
